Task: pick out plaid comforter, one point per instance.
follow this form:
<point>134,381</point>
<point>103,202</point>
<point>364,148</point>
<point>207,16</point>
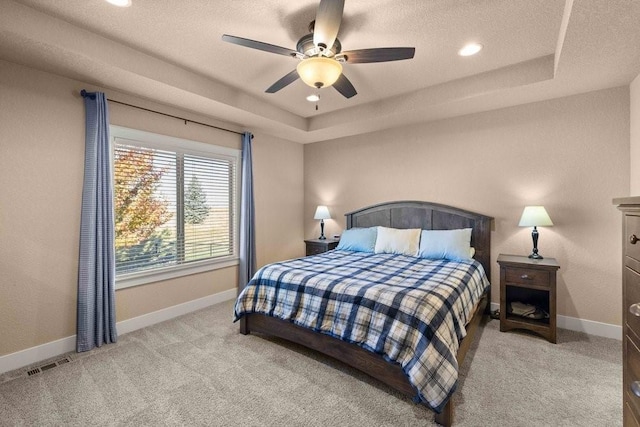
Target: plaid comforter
<point>412,311</point>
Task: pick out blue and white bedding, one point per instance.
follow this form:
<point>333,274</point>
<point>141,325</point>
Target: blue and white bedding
<point>410,310</point>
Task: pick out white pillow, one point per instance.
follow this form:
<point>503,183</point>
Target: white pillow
<point>454,245</point>
<point>396,241</point>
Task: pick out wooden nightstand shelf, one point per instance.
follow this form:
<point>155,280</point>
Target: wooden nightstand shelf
<point>530,281</point>
<point>317,246</point>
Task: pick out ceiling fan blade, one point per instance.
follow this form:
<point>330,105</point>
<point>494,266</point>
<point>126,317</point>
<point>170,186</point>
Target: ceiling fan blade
<point>283,82</point>
<point>259,45</point>
<point>381,54</point>
<point>328,19</point>
<point>344,86</point>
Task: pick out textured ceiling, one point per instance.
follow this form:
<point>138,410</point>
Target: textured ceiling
<point>171,51</point>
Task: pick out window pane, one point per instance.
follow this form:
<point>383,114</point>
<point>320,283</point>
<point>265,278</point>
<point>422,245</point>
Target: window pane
<point>172,207</point>
<point>145,208</point>
<point>208,198</point>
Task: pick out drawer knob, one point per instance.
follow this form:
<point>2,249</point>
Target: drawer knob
<point>635,309</point>
<point>633,239</point>
<point>635,388</point>
<point>526,277</point>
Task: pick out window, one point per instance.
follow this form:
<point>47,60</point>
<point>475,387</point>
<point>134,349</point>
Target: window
<point>175,206</point>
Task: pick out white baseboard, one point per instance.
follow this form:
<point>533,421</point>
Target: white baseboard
<point>580,325</point>
<point>174,311</point>
<point>36,354</point>
<point>52,349</point>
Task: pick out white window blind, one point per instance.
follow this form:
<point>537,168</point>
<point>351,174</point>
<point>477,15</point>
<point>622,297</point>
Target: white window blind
<point>174,207</point>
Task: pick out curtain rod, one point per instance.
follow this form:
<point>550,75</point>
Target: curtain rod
<point>176,117</point>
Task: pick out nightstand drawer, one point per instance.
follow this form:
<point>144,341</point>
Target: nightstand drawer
<point>315,249</point>
<point>632,296</point>
<point>318,246</point>
<point>632,244</point>
<point>527,277</point>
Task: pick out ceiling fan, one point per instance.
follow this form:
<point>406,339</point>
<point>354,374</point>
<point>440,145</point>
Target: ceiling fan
<point>321,53</point>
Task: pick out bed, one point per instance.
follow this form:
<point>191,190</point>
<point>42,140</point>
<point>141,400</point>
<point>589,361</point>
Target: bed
<point>389,364</point>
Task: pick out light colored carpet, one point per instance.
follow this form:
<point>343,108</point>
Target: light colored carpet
<point>198,370</point>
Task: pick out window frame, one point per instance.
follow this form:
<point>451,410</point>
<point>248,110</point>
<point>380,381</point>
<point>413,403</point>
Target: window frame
<point>196,148</point>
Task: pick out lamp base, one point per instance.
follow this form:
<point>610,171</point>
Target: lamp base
<point>322,230</point>
<point>534,252</point>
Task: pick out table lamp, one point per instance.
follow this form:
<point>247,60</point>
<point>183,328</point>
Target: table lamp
<point>535,216</point>
<point>322,213</point>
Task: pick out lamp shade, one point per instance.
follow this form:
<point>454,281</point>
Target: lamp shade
<point>319,71</point>
<point>322,212</point>
<point>535,216</point>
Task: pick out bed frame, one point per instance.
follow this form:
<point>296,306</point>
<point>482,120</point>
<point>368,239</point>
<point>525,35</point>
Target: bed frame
<point>405,214</point>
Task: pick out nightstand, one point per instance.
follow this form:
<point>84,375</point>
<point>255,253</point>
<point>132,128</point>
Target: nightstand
<point>529,281</point>
<point>317,246</point>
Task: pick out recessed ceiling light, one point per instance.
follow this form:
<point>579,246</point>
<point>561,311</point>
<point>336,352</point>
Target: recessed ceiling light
<point>470,49</point>
<point>313,98</point>
<point>120,3</point>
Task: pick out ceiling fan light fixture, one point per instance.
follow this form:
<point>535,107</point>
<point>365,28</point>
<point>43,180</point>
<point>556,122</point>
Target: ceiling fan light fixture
<point>470,49</point>
<point>319,71</point>
<point>120,3</point>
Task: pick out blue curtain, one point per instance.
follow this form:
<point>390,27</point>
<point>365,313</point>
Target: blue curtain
<point>247,217</point>
<point>96,269</point>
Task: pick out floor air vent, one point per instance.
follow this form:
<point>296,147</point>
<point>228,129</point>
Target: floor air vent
<point>48,366</point>
<point>33,371</point>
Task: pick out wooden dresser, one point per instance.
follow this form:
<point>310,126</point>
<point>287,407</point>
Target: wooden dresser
<point>630,208</point>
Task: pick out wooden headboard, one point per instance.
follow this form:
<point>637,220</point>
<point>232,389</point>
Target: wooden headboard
<point>428,216</point>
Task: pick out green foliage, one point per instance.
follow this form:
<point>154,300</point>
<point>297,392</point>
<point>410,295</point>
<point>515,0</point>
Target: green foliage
<point>195,203</point>
<point>156,250</point>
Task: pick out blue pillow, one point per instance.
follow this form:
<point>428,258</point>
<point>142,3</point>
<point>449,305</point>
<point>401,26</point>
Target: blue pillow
<point>453,245</point>
<point>358,239</point>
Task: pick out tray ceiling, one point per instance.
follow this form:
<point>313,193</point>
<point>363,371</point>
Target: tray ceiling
<point>172,52</point>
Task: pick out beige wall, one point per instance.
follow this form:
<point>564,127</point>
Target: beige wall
<point>634,113</point>
<point>570,155</point>
<point>279,197</point>
<point>41,169</point>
